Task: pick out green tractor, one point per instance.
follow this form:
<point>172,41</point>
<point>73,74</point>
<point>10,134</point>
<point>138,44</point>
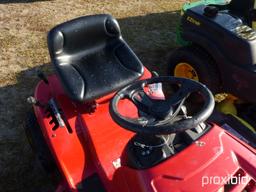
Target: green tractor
<point>218,48</point>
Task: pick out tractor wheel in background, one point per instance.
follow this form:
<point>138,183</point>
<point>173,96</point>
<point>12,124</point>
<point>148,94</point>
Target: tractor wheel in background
<point>194,63</point>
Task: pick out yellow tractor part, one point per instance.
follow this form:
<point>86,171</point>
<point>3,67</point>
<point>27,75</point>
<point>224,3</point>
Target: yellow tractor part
<point>185,70</point>
<point>245,124</point>
<point>254,21</point>
<point>227,106</point>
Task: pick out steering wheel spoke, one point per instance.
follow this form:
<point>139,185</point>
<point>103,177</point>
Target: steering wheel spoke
<point>171,116</point>
<point>183,93</point>
<point>142,101</point>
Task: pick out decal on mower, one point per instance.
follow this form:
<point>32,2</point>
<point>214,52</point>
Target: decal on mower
<point>193,21</point>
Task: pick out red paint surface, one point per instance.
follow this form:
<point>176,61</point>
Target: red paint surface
<point>97,141</point>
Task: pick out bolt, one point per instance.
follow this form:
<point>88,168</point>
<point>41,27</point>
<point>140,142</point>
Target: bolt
<point>200,143</point>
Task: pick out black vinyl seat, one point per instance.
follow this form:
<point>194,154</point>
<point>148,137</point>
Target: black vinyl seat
<point>242,9</point>
<point>91,58</point>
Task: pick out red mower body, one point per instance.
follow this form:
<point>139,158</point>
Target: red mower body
<point>91,143</point>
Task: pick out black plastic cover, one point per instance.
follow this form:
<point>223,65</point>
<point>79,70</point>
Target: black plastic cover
<point>225,32</point>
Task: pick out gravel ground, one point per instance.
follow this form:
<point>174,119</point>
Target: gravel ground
<point>147,25</point>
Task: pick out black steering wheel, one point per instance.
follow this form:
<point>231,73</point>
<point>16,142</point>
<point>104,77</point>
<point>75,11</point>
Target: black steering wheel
<point>161,116</point>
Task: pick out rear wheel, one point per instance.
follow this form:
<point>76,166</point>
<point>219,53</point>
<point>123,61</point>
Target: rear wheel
<point>194,63</point>
<point>38,144</point>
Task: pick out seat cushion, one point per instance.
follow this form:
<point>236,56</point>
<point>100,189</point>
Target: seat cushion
<point>91,58</point>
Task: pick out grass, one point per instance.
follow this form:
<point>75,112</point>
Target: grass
<point>147,25</point>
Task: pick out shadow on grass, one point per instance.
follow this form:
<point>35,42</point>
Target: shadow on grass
<point>151,36</point>
<point>19,1</point>
<point>20,171</point>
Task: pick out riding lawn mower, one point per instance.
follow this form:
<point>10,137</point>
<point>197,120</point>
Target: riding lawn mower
<point>219,49</point>
<point>104,122</point>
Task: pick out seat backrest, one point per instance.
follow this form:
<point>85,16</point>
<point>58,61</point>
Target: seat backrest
<point>242,8</point>
<point>91,58</point>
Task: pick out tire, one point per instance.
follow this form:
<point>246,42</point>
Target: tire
<point>204,66</point>
<point>38,144</point>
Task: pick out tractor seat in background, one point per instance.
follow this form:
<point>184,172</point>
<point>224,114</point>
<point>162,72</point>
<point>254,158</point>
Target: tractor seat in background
<point>240,8</point>
<point>91,57</point>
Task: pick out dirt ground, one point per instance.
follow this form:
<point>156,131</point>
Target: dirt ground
<point>147,25</point>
